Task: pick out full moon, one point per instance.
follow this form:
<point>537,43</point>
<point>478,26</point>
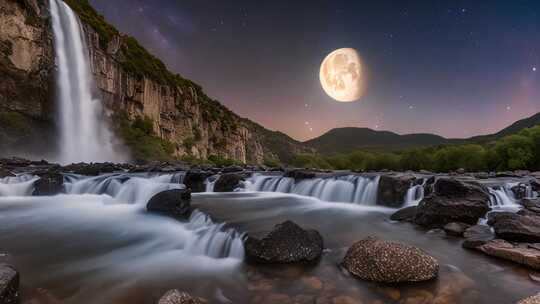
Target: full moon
<point>341,75</point>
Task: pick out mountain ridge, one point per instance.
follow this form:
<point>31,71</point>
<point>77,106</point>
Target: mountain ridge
<point>348,139</point>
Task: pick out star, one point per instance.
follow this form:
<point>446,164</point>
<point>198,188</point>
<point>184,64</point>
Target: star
<point>508,108</point>
<point>411,107</point>
<point>534,69</point>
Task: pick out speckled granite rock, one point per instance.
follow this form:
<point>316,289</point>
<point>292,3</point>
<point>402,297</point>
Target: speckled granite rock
<point>531,300</point>
<point>175,296</point>
<point>286,243</point>
<point>9,285</point>
<point>376,260</point>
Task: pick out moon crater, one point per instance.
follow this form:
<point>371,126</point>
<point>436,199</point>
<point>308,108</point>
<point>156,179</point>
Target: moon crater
<point>341,75</point>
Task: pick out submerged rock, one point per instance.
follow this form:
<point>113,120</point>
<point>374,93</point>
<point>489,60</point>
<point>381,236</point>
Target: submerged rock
<point>455,228</point>
<point>376,260</point>
<point>9,285</point>
<point>175,202</point>
<point>392,189</point>
<point>520,191</point>
<point>476,236</point>
<point>404,214</point>
<point>286,243</point>
<point>520,253</point>
<point>175,296</point>
<point>195,179</point>
<point>516,227</point>
<point>50,182</point>
<point>228,182</point>
<point>531,300</point>
<point>452,201</point>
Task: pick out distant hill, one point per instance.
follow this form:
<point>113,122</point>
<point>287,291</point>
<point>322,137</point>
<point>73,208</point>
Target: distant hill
<point>342,140</point>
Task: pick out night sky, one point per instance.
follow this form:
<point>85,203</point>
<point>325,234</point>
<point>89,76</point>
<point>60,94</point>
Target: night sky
<point>456,68</point>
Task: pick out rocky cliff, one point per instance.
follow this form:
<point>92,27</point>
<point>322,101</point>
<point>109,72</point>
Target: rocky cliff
<point>132,84</point>
<point>26,65</point>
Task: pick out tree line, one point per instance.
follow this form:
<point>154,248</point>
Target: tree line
<point>520,151</point>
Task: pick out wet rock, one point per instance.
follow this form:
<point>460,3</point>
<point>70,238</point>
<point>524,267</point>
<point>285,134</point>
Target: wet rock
<point>392,189</point>
<point>9,285</point>
<point>531,300</point>
<point>515,227</point>
<point>286,243</point>
<point>228,182</point>
<point>92,169</point>
<point>532,205</point>
<point>300,174</point>
<point>404,214</point>
<point>231,169</point>
<point>381,261</point>
<point>520,253</point>
<point>175,296</point>
<point>535,184</point>
<point>455,228</point>
<point>277,298</point>
<point>50,182</point>
<point>5,173</point>
<point>520,190</point>
<point>195,179</point>
<point>175,202</point>
<point>15,162</point>
<point>476,236</point>
<point>452,201</point>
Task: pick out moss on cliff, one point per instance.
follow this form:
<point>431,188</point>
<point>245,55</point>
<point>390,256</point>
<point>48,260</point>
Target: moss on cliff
<point>89,16</point>
<point>139,137</point>
<point>14,122</point>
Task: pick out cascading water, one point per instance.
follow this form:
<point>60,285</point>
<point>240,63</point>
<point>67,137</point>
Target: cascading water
<point>344,189</point>
<point>20,185</point>
<point>84,135</point>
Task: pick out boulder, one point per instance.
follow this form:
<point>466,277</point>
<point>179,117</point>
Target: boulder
<point>452,201</point>
<point>286,243</point>
<point>228,182</point>
<point>531,300</point>
<point>195,179</point>
<point>455,228</point>
<point>376,260</point>
<point>476,236</point>
<point>520,253</point>
<point>392,189</point>
<point>9,285</point>
<point>50,182</point>
<point>175,202</point>
<point>175,296</point>
<point>404,214</point>
<point>516,227</point>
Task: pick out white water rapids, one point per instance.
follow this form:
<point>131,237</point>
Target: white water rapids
<point>84,135</point>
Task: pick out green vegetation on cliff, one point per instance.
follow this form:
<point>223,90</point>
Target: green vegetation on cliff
<point>139,137</point>
<point>513,152</point>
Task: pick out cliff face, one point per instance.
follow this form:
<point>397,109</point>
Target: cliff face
<point>26,64</point>
<point>129,81</point>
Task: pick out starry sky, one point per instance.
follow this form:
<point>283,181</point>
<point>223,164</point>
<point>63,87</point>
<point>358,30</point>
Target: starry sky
<point>454,68</point>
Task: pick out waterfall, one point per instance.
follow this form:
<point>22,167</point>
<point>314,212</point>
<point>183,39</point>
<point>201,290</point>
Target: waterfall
<point>84,135</point>
<point>20,185</point>
<point>344,189</point>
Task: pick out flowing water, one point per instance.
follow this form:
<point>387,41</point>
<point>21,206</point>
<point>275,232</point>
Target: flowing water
<point>97,244</point>
<point>84,136</point>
